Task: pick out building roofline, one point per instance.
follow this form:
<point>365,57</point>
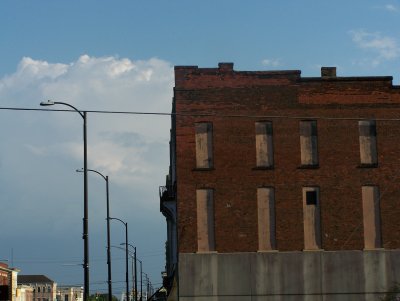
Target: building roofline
<point>23,279</point>
<point>327,73</point>
<point>348,78</point>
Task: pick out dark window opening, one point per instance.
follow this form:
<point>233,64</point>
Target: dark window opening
<point>311,198</point>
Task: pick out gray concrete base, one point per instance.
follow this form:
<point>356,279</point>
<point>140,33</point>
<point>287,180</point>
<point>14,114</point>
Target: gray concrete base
<point>288,276</point>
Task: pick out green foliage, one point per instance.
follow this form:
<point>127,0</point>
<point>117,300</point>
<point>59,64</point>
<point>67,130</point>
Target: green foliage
<point>101,297</point>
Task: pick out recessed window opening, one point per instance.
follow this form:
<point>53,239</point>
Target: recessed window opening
<point>308,143</point>
<point>204,151</point>
<point>264,144</point>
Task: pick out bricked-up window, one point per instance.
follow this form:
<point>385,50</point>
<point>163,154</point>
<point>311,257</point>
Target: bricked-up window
<point>368,154</point>
<point>311,218</point>
<point>204,148</point>
<point>308,143</point>
<point>205,220</point>
<point>371,217</point>
<point>264,146</point>
<point>266,219</point>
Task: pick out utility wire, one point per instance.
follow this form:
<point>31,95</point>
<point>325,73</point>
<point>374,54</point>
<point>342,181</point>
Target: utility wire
<point>191,114</point>
<point>215,115</point>
<point>88,111</point>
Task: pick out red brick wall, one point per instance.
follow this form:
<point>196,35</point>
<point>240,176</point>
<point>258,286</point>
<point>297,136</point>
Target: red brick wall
<point>4,283</point>
<point>235,179</point>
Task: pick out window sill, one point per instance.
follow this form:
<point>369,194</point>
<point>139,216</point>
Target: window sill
<point>373,249</point>
<point>315,166</point>
<point>372,165</point>
<point>263,168</point>
<point>313,250</point>
<point>203,169</point>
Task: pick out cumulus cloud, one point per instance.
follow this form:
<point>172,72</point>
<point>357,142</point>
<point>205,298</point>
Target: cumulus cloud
<point>384,47</point>
<point>271,62</point>
<point>391,7</point>
<point>40,152</point>
<point>118,144</point>
<point>30,68</point>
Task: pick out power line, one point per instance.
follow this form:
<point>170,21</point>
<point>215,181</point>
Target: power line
<point>88,111</point>
<point>191,114</point>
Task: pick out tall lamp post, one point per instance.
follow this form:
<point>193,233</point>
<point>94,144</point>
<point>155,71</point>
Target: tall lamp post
<point>126,255</point>
<point>141,268</point>
<point>141,280</point>
<point>147,286</point>
<point>134,253</point>
<point>85,235</point>
<point>108,232</point>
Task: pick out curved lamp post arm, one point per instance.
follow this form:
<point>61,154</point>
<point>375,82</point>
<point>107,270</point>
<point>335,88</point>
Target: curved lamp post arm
<point>123,249</point>
<point>125,224</point>
<point>51,103</point>
<point>95,171</point>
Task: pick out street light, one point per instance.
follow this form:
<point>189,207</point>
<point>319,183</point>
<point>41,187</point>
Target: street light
<point>108,232</point>
<point>134,252</point>
<point>132,258</point>
<point>141,270</point>
<point>147,285</point>
<point>126,255</point>
<point>85,235</point>
<point>141,280</point>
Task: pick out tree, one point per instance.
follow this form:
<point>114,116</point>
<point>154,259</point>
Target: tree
<point>101,297</point>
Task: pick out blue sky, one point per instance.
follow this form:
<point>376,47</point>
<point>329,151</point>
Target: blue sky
<point>300,34</point>
<point>119,55</point>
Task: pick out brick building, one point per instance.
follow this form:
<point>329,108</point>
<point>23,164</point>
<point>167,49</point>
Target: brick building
<point>8,282</point>
<point>282,187</point>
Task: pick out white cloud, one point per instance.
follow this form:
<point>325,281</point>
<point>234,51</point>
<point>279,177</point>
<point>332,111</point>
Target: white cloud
<point>40,152</point>
<point>39,69</point>
<point>391,8</point>
<point>118,145</point>
<point>271,62</point>
<point>384,47</point>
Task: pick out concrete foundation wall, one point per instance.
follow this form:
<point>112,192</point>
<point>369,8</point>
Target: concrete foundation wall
<point>288,276</point>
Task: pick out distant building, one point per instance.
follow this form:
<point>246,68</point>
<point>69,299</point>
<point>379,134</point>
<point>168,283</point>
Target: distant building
<point>69,293</point>
<point>282,187</point>
<point>8,282</point>
<point>24,293</point>
<point>44,289</point>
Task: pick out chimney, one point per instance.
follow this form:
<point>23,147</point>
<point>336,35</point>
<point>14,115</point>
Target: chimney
<point>225,66</point>
<point>328,72</point>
